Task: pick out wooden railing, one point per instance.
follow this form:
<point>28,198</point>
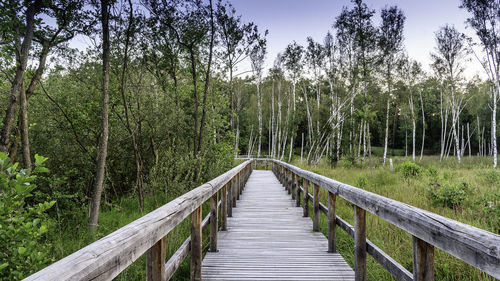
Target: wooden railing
<point>107,257</point>
<point>474,246</point>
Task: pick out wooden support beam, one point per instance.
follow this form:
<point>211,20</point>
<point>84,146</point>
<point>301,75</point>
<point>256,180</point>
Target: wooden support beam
<point>238,187</point>
<point>196,243</point>
<point>332,246</point>
<point>316,208</point>
<point>155,261</point>
<point>359,244</point>
<point>293,186</point>
<point>230,198</point>
<point>234,191</point>
<point>223,211</point>
<point>305,205</point>
<point>297,190</point>
<point>214,221</point>
<point>423,260</point>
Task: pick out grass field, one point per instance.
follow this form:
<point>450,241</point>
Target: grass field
<point>468,193</point>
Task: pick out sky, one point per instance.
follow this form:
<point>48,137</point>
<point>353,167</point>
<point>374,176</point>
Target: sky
<point>289,20</point>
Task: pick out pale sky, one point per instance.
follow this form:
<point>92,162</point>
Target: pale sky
<point>289,20</point>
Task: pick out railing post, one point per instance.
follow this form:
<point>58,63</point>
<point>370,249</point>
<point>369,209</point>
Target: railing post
<point>359,244</point>
<point>289,181</point>
<point>293,186</point>
<point>196,242</point>
<point>423,260</point>
<point>223,211</point>
<point>155,261</point>
<point>238,186</point>
<point>332,247</point>
<point>234,191</point>
<point>316,208</point>
<point>241,182</point>
<point>214,221</point>
<point>230,198</point>
<point>305,205</point>
<point>297,191</point>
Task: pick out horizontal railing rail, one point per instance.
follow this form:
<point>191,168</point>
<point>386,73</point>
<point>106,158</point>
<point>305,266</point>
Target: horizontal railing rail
<point>476,247</point>
<point>107,257</point>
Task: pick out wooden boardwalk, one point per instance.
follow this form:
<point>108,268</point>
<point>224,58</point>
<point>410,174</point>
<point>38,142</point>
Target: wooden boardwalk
<point>269,239</point>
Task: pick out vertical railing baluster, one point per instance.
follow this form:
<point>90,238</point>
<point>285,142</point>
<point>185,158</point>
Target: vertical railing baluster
<point>223,211</point>
<point>230,198</point>
<point>305,184</point>
<point>293,186</point>
<point>196,242</point>
<point>359,244</point>
<point>238,186</point>
<point>316,208</point>
<point>155,261</point>
<point>423,260</point>
<point>332,247</point>
<point>234,191</point>
<point>214,221</point>
<point>297,191</point>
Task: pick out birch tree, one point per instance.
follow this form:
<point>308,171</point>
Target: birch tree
<point>257,56</point>
<point>449,56</point>
<point>390,43</point>
<point>486,23</point>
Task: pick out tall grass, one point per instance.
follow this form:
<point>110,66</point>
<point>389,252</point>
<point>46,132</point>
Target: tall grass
<point>475,171</point>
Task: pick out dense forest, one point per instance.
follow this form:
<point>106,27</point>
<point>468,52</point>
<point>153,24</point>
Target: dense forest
<point>160,101</point>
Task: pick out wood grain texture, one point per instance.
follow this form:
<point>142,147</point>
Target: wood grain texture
<point>268,239</point>
<point>316,208</point>
<point>359,243</point>
<point>223,211</point>
<point>423,260</point>
<point>475,246</point>
<point>155,261</point>
<point>214,221</point>
<point>110,255</point>
<point>332,245</point>
<point>305,193</point>
<point>196,244</point>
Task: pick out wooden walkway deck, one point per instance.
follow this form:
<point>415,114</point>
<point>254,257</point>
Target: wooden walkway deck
<point>269,239</point>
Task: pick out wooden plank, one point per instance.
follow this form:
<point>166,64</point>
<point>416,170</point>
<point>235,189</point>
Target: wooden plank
<point>293,186</point>
<point>316,208</point>
<point>155,261</point>
<point>305,193</point>
<point>269,239</point>
<point>223,211</point>
<point>359,243</point>
<point>423,260</point>
<point>110,255</point>
<point>196,244</point>
<point>214,222</point>
<point>332,246</point>
<point>475,246</point>
<point>297,191</point>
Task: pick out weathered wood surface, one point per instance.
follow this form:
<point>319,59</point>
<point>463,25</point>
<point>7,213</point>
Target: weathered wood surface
<point>475,246</point>
<point>107,257</point>
<point>391,265</point>
<point>269,239</point>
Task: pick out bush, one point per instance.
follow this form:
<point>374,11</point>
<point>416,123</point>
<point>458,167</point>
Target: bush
<point>449,195</point>
<point>409,170</point>
<point>22,227</point>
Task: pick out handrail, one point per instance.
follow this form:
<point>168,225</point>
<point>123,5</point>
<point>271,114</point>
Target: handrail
<point>107,257</point>
<point>472,245</point>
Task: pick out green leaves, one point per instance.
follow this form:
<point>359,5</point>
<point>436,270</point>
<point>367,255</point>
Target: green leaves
<point>22,226</point>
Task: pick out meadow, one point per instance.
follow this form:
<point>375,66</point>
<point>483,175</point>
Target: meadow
<point>469,193</point>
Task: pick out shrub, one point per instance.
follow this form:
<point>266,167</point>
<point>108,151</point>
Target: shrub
<point>409,170</point>
<point>449,195</point>
<point>362,182</point>
<point>22,227</point>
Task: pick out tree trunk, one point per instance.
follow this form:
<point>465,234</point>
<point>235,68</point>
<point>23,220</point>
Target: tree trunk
<point>103,140</point>
<point>18,84</point>
<point>494,125</point>
<point>386,138</point>
<point>23,116</point>
<point>259,116</point>
<point>423,127</point>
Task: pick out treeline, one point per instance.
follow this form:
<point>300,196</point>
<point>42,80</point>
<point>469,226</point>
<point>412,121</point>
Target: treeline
<point>159,101</point>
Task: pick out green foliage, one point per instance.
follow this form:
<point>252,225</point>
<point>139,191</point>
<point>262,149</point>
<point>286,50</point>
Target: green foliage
<point>362,182</point>
<point>449,195</point>
<point>22,226</point>
<point>409,170</point>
